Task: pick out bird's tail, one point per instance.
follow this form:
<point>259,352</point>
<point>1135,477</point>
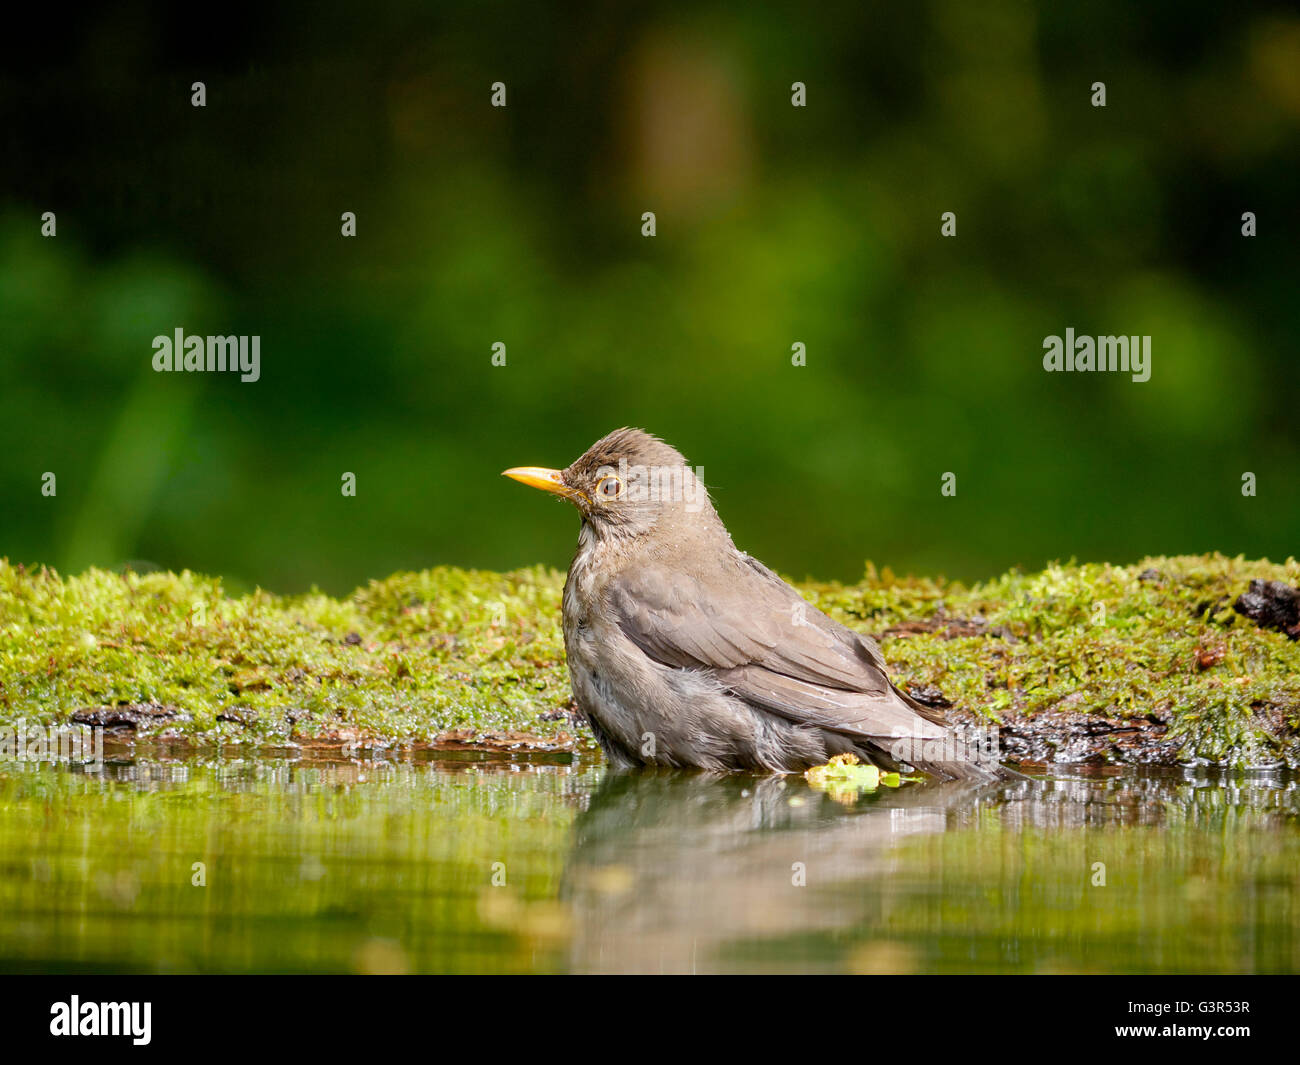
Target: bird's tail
<point>969,770</point>
<point>957,754</point>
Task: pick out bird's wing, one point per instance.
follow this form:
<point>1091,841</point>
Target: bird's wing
<point>769,646</point>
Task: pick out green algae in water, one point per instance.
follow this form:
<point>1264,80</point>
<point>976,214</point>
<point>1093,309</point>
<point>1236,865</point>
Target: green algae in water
<point>844,778</point>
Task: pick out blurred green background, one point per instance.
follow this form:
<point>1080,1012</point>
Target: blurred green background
<point>775,224</point>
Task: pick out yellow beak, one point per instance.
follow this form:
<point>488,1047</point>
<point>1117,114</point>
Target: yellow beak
<point>540,477</point>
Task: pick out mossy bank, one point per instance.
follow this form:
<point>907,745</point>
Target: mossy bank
<point>1078,663</point>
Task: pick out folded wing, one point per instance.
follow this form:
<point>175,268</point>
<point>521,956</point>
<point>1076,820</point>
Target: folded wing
<point>768,646</point>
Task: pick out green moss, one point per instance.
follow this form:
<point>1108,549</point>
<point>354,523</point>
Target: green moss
<point>419,656</point>
<point>1156,641</point>
<point>405,659</point>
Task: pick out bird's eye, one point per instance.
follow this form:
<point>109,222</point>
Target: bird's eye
<point>610,487</point>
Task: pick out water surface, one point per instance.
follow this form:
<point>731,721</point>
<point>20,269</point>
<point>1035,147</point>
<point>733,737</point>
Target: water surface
<point>287,865</point>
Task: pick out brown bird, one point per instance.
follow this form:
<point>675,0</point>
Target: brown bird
<point>684,651</point>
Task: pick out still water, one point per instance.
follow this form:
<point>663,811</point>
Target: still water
<point>289,865</point>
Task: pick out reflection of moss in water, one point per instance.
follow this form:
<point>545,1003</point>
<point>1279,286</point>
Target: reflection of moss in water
<point>417,654</point>
<point>376,867</point>
<point>1216,896</point>
<point>380,867</point>
<point>1203,881</point>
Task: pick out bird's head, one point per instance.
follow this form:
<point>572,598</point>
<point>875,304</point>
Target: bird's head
<point>626,484</point>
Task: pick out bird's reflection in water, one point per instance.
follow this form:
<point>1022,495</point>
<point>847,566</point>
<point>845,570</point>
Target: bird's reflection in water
<point>688,872</point>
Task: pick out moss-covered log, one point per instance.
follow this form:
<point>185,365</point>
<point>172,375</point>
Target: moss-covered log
<point>1149,662</point>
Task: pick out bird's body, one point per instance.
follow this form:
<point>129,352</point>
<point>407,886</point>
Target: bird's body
<point>684,651</point>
